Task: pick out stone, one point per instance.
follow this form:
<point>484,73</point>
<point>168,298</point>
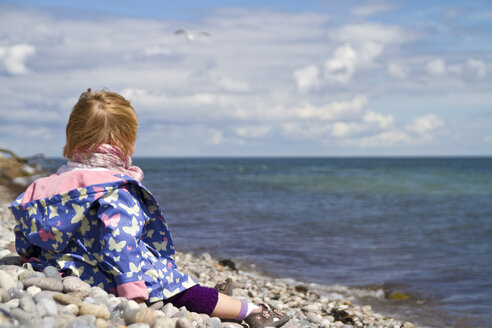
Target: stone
<point>6,281</point>
<point>13,303</point>
<point>27,304</point>
<point>86,321</point>
<point>184,323</point>
<point>64,319</point>
<point>117,311</point>
<point>90,300</point>
<point>163,322</point>
<point>49,322</point>
<point>232,325</point>
<point>408,325</point>
<point>48,308</point>
<point>75,284</point>
<point>131,305</point>
<point>22,316</point>
<point>99,311</point>
<point>143,315</point>
<point>195,317</point>
<point>169,310</point>
<point>33,290</point>
<point>98,291</point>
<point>183,313</point>
<point>16,293</point>
<point>66,299</point>
<point>101,323</point>
<point>30,274</point>
<point>4,295</point>
<point>44,283</point>
<point>157,305</point>
<point>213,323</point>
<point>42,295</point>
<point>139,325</point>
<point>71,309</point>
<point>316,318</point>
<point>52,272</point>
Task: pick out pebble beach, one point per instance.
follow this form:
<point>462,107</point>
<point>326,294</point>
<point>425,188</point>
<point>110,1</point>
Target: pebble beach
<point>43,299</point>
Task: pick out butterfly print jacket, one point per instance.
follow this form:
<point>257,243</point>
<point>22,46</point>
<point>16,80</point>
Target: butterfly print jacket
<point>103,227</point>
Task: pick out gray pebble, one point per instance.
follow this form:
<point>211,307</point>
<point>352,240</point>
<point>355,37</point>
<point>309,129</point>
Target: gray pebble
<point>49,322</point>
<point>169,310</point>
<point>182,313</point>
<point>7,281</point>
<point>90,300</point>
<point>28,305</point>
<point>4,295</point>
<point>184,323</point>
<point>52,272</point>
<point>47,308</point>
<point>157,305</point>
<point>213,323</point>
<point>22,316</point>
<point>117,311</point>
<point>81,323</point>
<point>44,283</point>
<point>42,295</point>
<point>29,274</point>
<point>138,325</point>
<point>75,284</point>
<point>90,318</point>
<point>164,322</point>
<point>16,293</point>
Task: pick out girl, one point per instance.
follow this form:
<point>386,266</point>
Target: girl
<point>95,220</point>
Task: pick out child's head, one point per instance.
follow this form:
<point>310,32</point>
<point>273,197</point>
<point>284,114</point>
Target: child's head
<point>101,117</point>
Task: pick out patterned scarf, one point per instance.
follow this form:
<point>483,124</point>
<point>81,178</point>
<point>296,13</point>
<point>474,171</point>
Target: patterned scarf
<point>104,156</point>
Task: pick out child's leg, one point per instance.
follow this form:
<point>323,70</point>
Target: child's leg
<point>210,301</point>
<point>227,307</point>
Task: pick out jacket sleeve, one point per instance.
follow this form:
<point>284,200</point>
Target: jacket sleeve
<point>121,225</point>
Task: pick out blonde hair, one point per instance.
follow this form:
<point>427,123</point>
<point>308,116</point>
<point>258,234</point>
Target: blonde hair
<point>100,117</point>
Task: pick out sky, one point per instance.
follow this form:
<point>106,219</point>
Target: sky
<point>255,78</point>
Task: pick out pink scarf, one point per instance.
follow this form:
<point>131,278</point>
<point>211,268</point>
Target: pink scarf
<point>107,157</point>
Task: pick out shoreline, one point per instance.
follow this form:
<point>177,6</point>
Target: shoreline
<point>308,304</point>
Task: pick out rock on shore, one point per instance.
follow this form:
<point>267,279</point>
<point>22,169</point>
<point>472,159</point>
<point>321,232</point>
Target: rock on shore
<point>43,299</point>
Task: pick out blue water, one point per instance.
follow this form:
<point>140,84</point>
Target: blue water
<point>420,225</point>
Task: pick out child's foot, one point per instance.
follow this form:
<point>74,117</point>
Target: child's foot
<point>266,318</point>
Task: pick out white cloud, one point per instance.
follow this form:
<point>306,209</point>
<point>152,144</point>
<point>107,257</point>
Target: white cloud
<point>397,71</point>
<point>425,127</point>
<point>372,8</point>
<point>342,66</point>
<point>216,137</point>
<point>13,58</point>
<point>253,131</point>
<point>477,68</point>
<point>369,32</point>
<point>307,78</point>
<point>19,131</point>
<point>436,67</point>
<point>238,87</point>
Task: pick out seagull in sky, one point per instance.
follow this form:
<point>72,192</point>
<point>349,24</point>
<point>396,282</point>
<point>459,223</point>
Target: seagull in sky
<point>190,37</point>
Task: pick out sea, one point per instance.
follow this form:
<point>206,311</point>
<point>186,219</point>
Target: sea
<point>410,236</point>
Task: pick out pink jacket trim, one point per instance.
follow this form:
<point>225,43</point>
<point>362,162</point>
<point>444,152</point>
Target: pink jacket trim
<point>132,290</point>
<point>59,183</point>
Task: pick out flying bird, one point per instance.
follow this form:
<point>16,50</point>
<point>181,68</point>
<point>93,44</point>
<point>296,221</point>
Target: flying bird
<point>189,36</point>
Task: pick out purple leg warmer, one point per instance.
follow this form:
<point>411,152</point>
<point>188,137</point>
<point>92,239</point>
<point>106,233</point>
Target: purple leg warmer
<point>196,299</point>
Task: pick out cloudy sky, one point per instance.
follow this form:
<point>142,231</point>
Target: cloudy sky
<point>268,78</point>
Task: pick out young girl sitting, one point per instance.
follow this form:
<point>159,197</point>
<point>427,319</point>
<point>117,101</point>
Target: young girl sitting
<point>95,220</point>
